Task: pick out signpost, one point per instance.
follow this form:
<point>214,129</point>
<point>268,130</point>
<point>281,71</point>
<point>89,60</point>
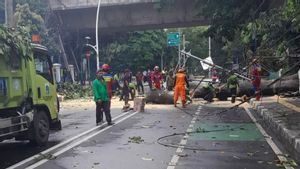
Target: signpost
<point>173,39</point>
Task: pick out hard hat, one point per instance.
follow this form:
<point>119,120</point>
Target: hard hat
<point>259,69</point>
<point>156,68</point>
<point>181,70</point>
<point>105,67</point>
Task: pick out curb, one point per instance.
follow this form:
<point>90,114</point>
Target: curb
<point>289,138</point>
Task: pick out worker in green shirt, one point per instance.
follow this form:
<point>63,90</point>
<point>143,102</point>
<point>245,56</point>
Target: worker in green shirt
<point>232,84</point>
<point>209,92</point>
<point>101,98</point>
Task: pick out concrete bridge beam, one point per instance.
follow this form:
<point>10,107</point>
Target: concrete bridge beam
<point>130,16</point>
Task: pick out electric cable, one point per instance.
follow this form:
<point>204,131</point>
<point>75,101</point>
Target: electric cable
<point>197,148</point>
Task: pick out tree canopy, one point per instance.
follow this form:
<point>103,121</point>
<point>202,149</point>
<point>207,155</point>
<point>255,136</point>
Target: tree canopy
<point>14,42</point>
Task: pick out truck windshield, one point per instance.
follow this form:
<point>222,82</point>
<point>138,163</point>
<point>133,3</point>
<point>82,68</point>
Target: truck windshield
<point>42,66</point>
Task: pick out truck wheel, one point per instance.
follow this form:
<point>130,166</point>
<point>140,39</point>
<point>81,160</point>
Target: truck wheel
<point>40,128</point>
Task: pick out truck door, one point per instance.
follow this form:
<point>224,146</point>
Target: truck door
<point>45,86</point>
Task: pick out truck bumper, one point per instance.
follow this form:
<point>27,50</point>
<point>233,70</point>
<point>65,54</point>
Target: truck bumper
<point>12,126</point>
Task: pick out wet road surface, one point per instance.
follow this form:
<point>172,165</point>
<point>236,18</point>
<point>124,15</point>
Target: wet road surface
<point>198,137</point>
<point>76,118</point>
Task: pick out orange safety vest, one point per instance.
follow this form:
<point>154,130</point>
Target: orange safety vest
<point>180,79</point>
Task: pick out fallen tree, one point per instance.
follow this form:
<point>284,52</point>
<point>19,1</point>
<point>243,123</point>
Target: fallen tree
<point>159,97</point>
<point>286,84</point>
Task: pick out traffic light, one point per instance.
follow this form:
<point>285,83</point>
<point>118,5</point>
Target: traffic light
<point>88,54</point>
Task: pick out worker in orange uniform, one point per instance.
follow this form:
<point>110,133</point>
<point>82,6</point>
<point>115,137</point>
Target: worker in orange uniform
<point>109,80</point>
<point>179,85</point>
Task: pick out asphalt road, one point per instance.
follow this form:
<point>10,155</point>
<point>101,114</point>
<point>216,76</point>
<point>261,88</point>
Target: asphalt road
<point>164,137</point>
<point>215,141</point>
<point>76,116</point>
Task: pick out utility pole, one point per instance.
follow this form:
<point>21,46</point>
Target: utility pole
<point>213,65</point>
<point>179,54</point>
<point>209,55</point>
<point>9,12</point>
<point>183,48</point>
<point>97,35</point>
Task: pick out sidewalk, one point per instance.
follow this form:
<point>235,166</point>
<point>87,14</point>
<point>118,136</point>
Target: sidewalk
<point>282,116</point>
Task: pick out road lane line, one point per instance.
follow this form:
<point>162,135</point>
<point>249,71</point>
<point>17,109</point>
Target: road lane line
<point>274,147</point>
<point>78,142</point>
<point>182,143</point>
<point>179,150</point>
<point>45,152</point>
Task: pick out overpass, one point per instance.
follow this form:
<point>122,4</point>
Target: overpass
<point>77,17</point>
<point>125,15</point>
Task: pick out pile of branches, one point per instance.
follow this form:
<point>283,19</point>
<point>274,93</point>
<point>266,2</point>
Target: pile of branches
<point>75,91</point>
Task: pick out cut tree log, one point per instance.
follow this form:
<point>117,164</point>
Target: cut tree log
<point>286,84</point>
<point>159,97</point>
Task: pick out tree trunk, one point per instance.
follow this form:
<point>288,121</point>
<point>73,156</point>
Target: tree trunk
<point>159,97</point>
<point>287,84</point>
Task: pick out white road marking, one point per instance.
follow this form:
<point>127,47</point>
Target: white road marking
<point>189,130</point>
<point>179,150</point>
<point>77,143</point>
<point>182,143</point>
<point>62,143</point>
<point>274,147</point>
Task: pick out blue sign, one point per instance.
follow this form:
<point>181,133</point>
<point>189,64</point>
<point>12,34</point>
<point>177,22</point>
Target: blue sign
<point>173,39</point>
<point>2,87</point>
<point>47,89</point>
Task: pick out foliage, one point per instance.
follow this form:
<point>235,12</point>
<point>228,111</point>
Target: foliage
<point>136,139</point>
<point>31,14</point>
<point>14,42</point>
<point>277,35</point>
<point>24,17</point>
<point>227,17</point>
<point>2,12</point>
<point>75,91</point>
<point>36,6</point>
<point>241,26</point>
<point>136,50</point>
<point>197,44</point>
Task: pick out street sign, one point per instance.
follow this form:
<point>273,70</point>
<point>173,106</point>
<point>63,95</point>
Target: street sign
<point>173,39</point>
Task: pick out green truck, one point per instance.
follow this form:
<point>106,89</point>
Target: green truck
<point>28,101</point>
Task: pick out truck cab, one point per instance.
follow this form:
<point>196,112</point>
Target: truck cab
<point>28,101</point>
